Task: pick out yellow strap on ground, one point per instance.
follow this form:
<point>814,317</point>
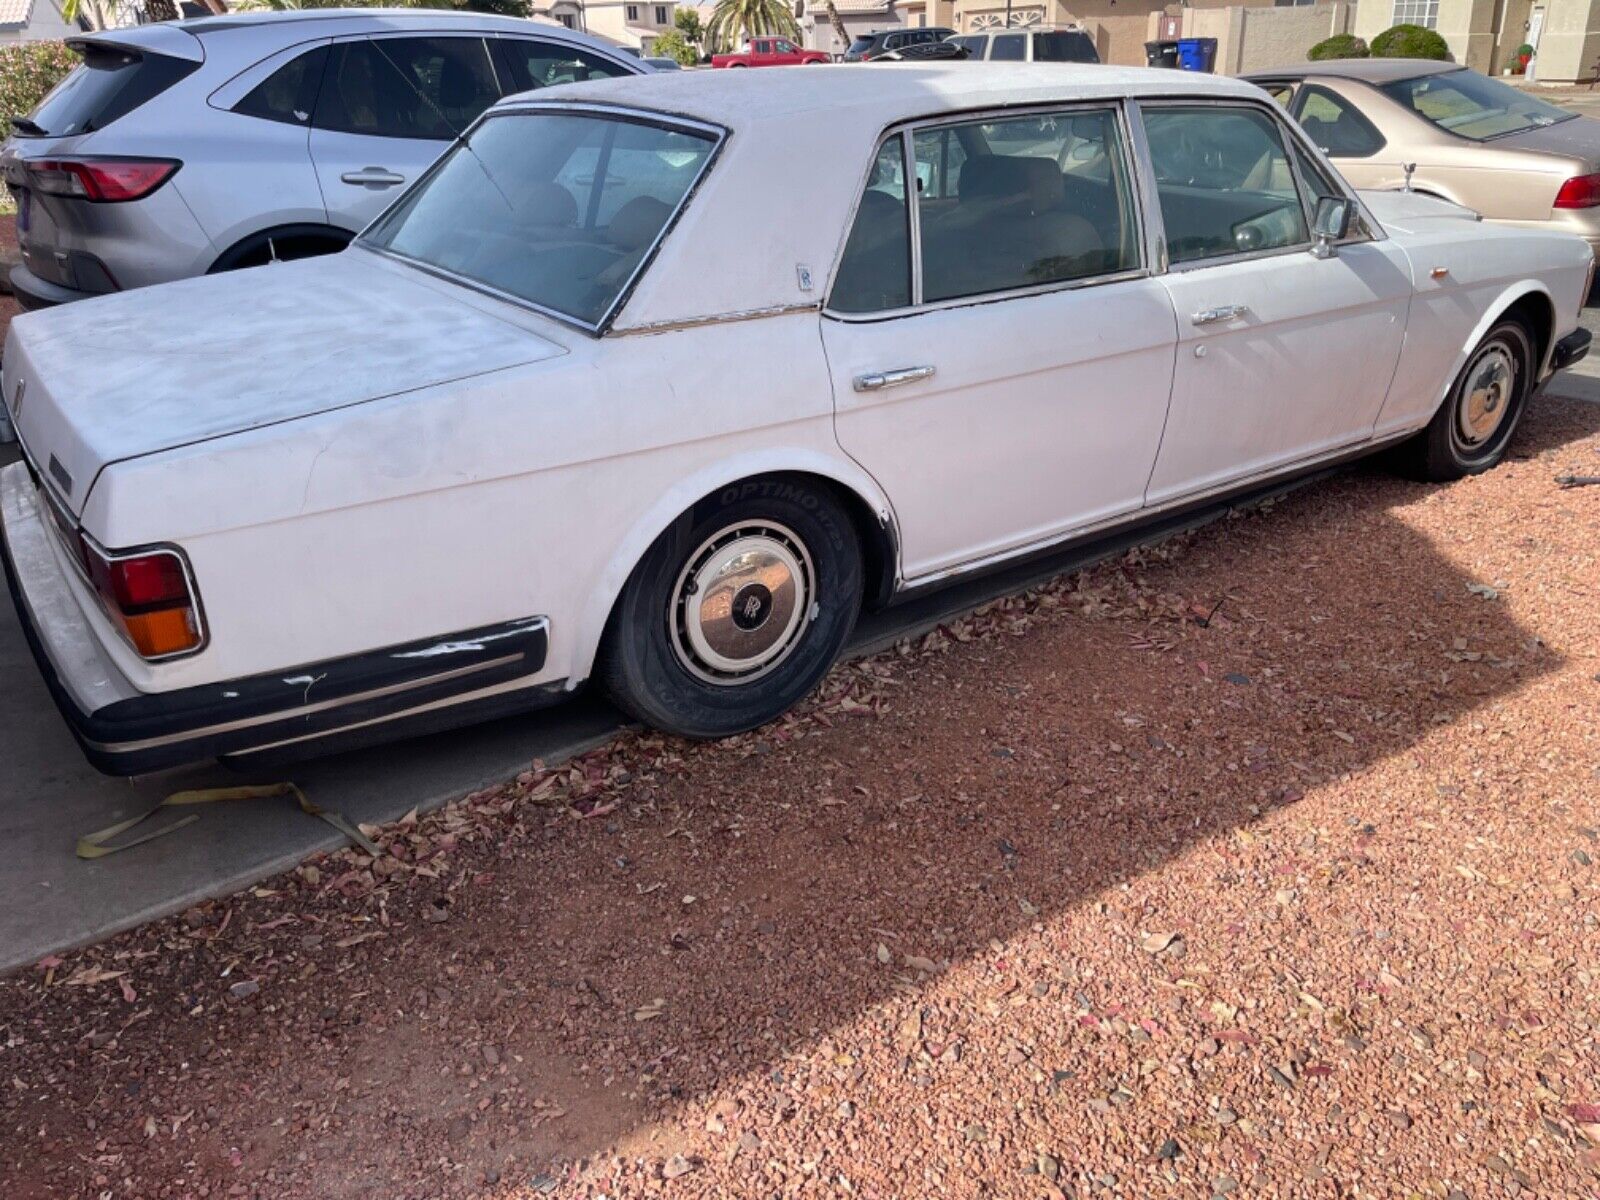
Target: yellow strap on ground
<point>94,845</point>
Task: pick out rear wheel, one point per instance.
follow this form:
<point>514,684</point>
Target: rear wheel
<point>1470,432</point>
<point>736,612</point>
<point>281,245</point>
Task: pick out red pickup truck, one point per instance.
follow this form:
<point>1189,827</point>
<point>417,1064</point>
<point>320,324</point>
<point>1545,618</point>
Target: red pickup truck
<point>769,52</point>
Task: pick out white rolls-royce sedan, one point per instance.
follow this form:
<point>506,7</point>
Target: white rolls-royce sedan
<point>659,381</point>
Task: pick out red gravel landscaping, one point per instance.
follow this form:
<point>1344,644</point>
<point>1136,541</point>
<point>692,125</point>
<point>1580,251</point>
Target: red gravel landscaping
<point>1263,863</point>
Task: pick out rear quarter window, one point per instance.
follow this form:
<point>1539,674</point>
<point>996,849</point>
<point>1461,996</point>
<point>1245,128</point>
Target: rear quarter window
<point>109,84</point>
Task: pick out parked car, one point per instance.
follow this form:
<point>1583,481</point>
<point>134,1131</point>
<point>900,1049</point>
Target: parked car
<point>884,41</point>
<point>663,64</point>
<point>670,422</point>
<point>1508,156</point>
<point>178,149</point>
<point>769,52</point>
<point>1029,45</point>
<point>922,52</point>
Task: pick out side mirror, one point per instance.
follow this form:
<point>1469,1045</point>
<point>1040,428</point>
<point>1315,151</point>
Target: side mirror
<point>1332,224</point>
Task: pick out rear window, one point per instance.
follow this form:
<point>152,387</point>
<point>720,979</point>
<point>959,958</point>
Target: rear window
<point>1064,47</point>
<point>109,84</point>
<point>860,46</point>
<point>558,209</point>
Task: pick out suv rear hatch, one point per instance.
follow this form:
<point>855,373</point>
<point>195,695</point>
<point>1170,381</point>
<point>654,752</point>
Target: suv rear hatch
<point>119,72</point>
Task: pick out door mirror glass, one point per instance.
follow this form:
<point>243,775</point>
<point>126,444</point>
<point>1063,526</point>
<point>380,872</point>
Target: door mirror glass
<point>1332,223</point>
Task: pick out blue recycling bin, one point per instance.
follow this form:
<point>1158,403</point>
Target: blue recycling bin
<point>1197,54</point>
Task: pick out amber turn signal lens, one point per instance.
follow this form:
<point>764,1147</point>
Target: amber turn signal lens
<point>155,634</point>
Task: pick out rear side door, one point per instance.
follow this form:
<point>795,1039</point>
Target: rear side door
<point>387,108</point>
<point>1283,357</point>
<point>1006,383</point>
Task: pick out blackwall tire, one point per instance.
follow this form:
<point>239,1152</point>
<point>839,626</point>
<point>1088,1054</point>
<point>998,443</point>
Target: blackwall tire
<point>737,611</point>
<point>1470,432</point>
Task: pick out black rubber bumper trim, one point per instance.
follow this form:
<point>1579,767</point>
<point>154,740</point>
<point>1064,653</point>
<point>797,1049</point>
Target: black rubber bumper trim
<point>236,716</point>
<point>1570,349</point>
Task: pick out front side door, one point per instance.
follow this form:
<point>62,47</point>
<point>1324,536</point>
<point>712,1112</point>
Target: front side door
<point>1282,356</point>
<point>388,107</point>
<point>1007,384</point>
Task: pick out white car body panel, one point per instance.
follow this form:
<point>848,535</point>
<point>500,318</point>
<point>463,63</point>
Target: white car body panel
<point>1027,447</point>
<point>1281,382</point>
<point>356,454</point>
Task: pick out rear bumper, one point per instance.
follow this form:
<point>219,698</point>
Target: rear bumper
<point>1570,349</point>
<point>33,293</point>
<point>373,696</point>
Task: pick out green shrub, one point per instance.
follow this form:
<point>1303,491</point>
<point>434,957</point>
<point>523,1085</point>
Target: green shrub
<point>1525,48</point>
<point>1410,41</point>
<point>1340,45</point>
<point>27,71</point>
<point>672,44</point>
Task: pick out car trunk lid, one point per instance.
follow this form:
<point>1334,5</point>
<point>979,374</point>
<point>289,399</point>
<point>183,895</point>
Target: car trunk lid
<point>1577,138</point>
<point>140,372</point>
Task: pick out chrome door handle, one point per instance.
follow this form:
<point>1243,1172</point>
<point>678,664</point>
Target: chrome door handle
<point>877,380</point>
<point>373,177</point>
<point>1223,312</point>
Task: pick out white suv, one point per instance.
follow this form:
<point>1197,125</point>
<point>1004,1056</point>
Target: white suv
<point>182,148</point>
<point>1029,45</point>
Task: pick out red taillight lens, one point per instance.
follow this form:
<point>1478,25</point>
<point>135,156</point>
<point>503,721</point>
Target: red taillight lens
<point>149,596</point>
<point>101,180</point>
<point>1581,191</point>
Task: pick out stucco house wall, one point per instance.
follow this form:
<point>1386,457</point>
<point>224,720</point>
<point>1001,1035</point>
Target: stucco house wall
<point>31,21</point>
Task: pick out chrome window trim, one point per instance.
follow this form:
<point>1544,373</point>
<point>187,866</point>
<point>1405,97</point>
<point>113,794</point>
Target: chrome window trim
<point>719,135</point>
<point>907,132</point>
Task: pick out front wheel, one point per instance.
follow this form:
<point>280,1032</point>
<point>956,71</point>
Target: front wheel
<point>1470,432</point>
<point>737,611</point>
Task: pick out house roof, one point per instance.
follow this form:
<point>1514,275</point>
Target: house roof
<point>14,14</point>
<point>819,10</point>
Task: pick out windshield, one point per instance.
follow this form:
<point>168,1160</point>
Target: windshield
<point>1473,106</point>
<point>557,208</point>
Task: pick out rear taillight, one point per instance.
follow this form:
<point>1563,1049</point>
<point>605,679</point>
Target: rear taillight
<point>147,593</point>
<point>101,180</point>
<point>1581,191</point>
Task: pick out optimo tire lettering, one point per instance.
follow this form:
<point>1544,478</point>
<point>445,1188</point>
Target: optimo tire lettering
<point>769,489</point>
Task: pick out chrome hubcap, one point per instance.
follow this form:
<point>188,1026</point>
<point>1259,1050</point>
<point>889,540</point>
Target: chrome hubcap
<point>741,603</point>
<point>1486,397</point>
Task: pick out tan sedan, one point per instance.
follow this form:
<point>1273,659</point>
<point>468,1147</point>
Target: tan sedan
<point>1474,140</point>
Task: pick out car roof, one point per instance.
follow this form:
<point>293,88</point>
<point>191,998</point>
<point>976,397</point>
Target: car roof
<point>885,96</point>
<point>1369,70</point>
<point>772,212</point>
<point>401,16</point>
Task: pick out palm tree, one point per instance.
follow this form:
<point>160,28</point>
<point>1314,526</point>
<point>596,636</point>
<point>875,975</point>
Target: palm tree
<point>733,20</point>
<point>834,19</point>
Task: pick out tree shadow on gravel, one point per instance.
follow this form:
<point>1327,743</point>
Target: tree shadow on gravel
<point>739,901</point>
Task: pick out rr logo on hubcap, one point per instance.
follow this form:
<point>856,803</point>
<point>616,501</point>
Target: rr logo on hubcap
<point>752,606</point>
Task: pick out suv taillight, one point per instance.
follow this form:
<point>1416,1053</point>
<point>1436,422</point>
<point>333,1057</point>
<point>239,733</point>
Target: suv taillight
<point>100,180</point>
<point>149,595</point>
<point>1581,191</point>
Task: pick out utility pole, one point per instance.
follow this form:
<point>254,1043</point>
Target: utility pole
<point>1008,14</point>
